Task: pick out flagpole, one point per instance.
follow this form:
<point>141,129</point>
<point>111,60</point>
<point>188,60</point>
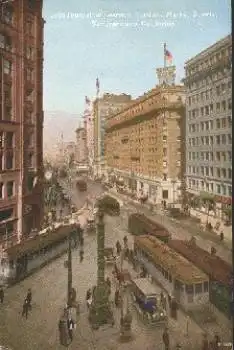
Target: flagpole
<point>165,61</point>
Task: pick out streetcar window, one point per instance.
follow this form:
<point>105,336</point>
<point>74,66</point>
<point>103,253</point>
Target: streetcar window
<point>206,286</point>
<point>198,288</point>
<point>189,288</point>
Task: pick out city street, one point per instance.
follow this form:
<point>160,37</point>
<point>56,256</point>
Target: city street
<point>49,287</point>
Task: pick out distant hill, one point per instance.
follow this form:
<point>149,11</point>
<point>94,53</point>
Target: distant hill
<point>56,123</point>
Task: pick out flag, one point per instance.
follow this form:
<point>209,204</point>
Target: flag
<point>87,100</point>
<point>97,85</point>
<point>168,56</point>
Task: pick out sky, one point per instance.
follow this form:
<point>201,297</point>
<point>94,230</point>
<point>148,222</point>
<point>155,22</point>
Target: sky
<point>121,43</point>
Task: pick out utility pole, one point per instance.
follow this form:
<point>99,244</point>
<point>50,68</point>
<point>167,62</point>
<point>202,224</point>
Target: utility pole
<point>125,320</point>
<point>69,273</point>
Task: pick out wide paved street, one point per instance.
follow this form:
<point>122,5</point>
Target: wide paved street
<point>48,285</point>
<point>49,288</point>
<point>40,331</point>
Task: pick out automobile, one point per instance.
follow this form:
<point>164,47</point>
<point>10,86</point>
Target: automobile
<point>146,300</point>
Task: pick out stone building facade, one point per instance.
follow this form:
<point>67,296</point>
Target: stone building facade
<point>102,107</point>
<point>209,121</point>
<point>144,146</point>
<point>21,119</point>
<point>81,147</point>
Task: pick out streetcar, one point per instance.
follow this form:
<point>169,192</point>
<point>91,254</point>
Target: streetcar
<point>22,259</point>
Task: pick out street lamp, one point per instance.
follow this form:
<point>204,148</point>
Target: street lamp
<point>125,320</point>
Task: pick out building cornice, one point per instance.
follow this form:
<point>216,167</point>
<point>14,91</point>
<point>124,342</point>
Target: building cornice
<point>211,49</point>
<point>147,115</point>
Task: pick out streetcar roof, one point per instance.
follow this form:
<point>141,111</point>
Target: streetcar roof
<point>40,241</point>
<point>178,266</point>
<point>146,287</point>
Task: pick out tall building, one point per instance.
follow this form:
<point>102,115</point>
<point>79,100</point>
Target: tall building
<point>209,122</point>
<point>81,147</point>
<point>144,146</point>
<point>88,125</point>
<point>69,151</point>
<point>102,107</point>
<point>21,119</point>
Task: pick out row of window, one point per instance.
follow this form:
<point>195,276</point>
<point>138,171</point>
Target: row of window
<point>219,123</point>
<point>210,171</point>
<point>7,161</point>
<point>7,16</point>
<point>190,289</point>
<point>208,94</point>
<point>223,156</point>
<point>210,79</point>
<point>7,190</point>
<point>220,107</point>
<point>210,61</point>
<point>219,189</point>
<point>7,139</point>
<point>225,139</point>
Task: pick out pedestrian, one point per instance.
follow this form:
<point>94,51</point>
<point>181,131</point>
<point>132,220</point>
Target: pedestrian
<point>169,300</point>
<point>174,307</point>
<point>108,283</point>
<point>161,297</point>
<point>118,247</point>
<point>29,299</point>
<point>166,340</point>
<point>1,295</point>
<point>88,294</point>
<point>221,236</point>
<point>81,240</point>
<point>25,308</point>
<point>117,297</point>
<point>70,326</point>
<point>81,255</point>
<point>125,240</point>
<point>215,343</point>
<point>205,342</point>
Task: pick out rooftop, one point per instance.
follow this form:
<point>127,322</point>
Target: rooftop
<point>146,286</point>
<point>179,267</point>
<point>212,265</point>
<point>217,45</point>
<point>39,241</point>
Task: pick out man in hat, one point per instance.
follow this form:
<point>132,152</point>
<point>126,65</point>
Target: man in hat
<point>166,339</point>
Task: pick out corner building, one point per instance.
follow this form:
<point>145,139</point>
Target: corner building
<point>144,144</point>
<point>102,107</point>
<point>21,119</point>
<point>209,122</point>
